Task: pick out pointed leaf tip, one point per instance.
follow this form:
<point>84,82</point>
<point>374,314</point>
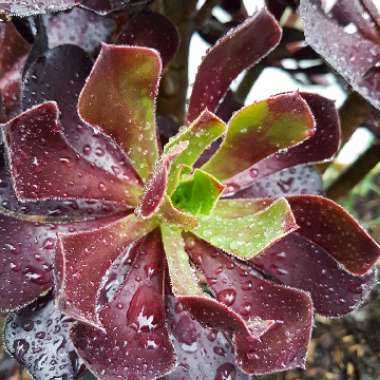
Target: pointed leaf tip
<point>233,53</point>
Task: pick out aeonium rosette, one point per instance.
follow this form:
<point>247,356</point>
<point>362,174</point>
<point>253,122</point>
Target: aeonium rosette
<point>189,275</point>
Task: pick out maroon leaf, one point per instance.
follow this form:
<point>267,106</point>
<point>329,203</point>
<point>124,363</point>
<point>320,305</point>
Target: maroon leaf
<point>78,27</point>
<point>155,188</point>
<point>329,226</point>
<point>354,11</point>
<point>293,181</point>
<point>297,261</point>
<point>320,147</point>
<point>86,257</point>
<point>152,30</point>
<point>351,54</point>
<point>54,171</point>
<point>13,55</point>
<point>201,352</point>
<point>27,251</point>
<point>38,337</point>
<point>60,75</point>
<point>232,54</point>
<point>22,8</point>
<point>135,344</point>
<point>284,345</point>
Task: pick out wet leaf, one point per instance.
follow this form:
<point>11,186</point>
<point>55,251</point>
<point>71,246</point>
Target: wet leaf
<point>355,57</point>
<point>135,344</point>
<point>233,53</point>
<point>270,125</point>
<point>86,257</point>
<point>281,347</point>
<point>154,30</point>
<point>183,280</point>
<point>59,75</point>
<point>199,194</point>
<point>201,133</point>
<point>119,98</point>
<point>54,171</point>
<point>247,236</point>
<point>38,337</point>
<point>321,146</point>
<point>156,186</point>
<point>27,250</point>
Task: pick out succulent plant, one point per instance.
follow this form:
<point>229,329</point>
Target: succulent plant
<point>205,256</point>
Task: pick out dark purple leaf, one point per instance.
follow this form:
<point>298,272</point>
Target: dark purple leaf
<point>13,50</point>
<point>152,30</point>
<point>87,257</point>
<point>78,27</point>
<point>353,56</point>
<point>43,166</point>
<point>297,261</point>
<point>27,249</point>
<point>59,75</point>
<point>328,225</point>
<point>135,343</point>
<point>293,181</point>
<point>238,286</point>
<point>38,337</point>
<point>201,352</point>
<point>233,53</point>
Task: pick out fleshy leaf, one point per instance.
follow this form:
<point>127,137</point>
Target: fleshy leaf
<point>259,130</point>
<point>298,262</point>
<point>155,187</point>
<point>351,54</point>
<point>201,352</point>
<point>233,53</point>
<point>45,167</point>
<point>319,147</point>
<point>199,194</point>
<point>281,347</point>
<point>294,181</point>
<point>86,257</point>
<point>13,55</point>
<point>119,98</point>
<point>22,8</point>
<point>27,248</point>
<point>202,132</point>
<point>59,75</point>
<point>182,278</point>
<point>38,337</point>
<point>135,344</point>
<point>332,228</point>
<point>154,30</point>
<point>175,217</point>
<point>248,235</point>
<point>78,27</point>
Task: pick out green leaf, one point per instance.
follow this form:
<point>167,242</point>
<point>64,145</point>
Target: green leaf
<point>248,235</point>
<point>182,277</point>
<point>259,130</point>
<point>200,135</point>
<point>175,217</point>
<point>119,98</point>
<point>199,194</point>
